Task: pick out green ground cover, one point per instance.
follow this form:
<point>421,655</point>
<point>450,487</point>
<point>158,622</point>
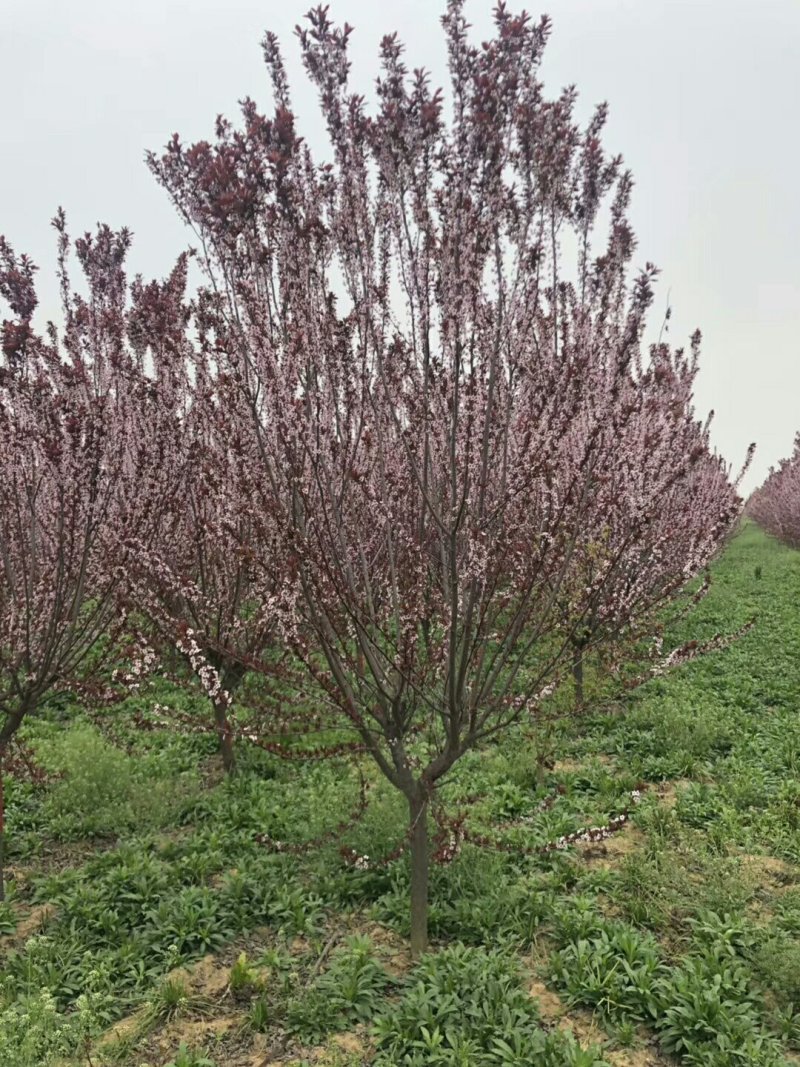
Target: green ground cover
<point>146,924</point>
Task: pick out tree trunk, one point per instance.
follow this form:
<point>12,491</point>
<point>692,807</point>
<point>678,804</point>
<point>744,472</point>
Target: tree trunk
<point>10,726</point>
<point>2,828</point>
<point>230,675</point>
<point>577,674</point>
<point>418,814</point>
<point>225,737</point>
<point>542,745</point>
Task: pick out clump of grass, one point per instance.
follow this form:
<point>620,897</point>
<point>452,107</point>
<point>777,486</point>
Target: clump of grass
<point>169,1000</point>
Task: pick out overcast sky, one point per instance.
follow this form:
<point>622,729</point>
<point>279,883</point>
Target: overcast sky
<point>703,95</point>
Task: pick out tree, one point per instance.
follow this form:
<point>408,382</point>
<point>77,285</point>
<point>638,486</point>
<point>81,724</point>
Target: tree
<point>195,581</point>
<point>75,478</point>
<point>664,503</point>
<point>431,388</point>
<point>775,506</point>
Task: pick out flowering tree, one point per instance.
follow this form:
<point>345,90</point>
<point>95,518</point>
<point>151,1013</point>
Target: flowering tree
<point>775,506</point>
<point>665,502</point>
<point>432,339</point>
<point>75,481</point>
<point>194,582</point>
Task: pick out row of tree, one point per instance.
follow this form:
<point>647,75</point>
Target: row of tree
<point>775,506</point>
<point>403,449</point>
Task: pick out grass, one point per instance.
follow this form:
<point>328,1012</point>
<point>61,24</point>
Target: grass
<point>146,925</point>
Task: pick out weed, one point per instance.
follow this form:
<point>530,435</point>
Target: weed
<point>260,1016</point>
<point>8,917</point>
<point>466,1006</point>
<point>708,1015</point>
<point>185,1057</point>
<point>348,993</point>
<point>34,1033</point>
<point>617,972</point>
<point>103,790</point>
<point>243,979</point>
<point>169,1000</point>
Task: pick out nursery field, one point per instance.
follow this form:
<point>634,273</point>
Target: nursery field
<point>146,923</point>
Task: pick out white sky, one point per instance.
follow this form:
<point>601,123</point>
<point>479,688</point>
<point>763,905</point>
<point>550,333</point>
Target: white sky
<point>703,97</point>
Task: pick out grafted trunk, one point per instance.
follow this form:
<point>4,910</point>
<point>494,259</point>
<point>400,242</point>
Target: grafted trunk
<point>418,816</point>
